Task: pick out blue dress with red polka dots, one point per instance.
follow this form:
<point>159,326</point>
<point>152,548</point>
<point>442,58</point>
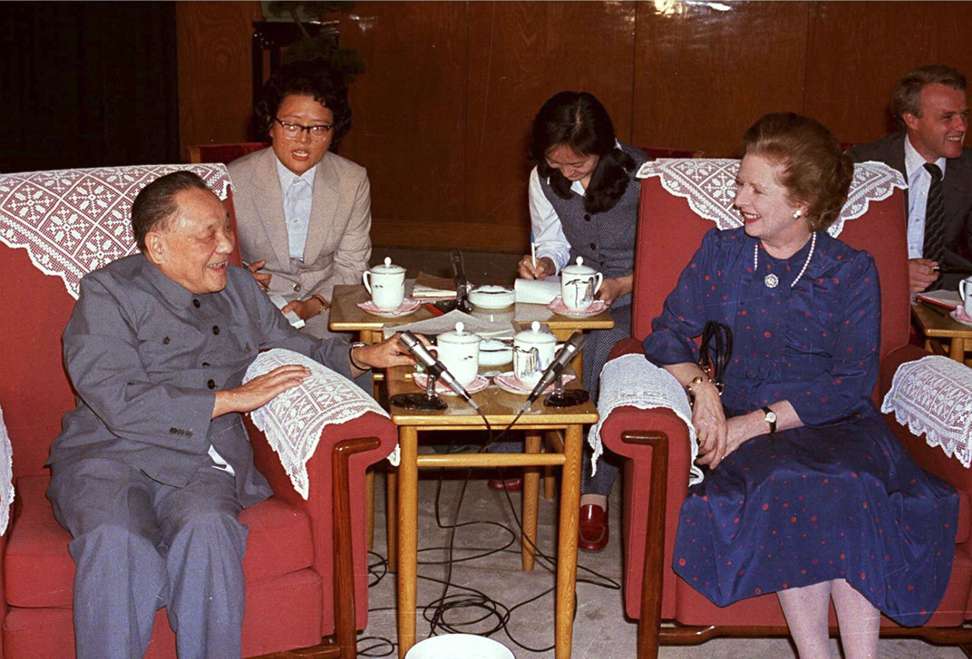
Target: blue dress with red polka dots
<point>836,498</point>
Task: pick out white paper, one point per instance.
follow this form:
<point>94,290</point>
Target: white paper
<point>537,291</point>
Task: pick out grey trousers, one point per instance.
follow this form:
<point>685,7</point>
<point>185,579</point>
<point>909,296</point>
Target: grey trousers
<point>140,545</point>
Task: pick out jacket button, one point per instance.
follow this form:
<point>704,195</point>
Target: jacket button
<point>205,364</point>
<point>166,341</point>
<point>215,329</point>
<point>593,246</point>
<point>587,217</point>
<point>195,303</point>
<point>297,288</point>
<point>211,384</point>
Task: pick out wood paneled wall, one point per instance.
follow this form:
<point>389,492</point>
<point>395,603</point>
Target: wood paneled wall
<point>442,113</point>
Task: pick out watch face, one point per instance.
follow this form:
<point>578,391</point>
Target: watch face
<point>770,417</point>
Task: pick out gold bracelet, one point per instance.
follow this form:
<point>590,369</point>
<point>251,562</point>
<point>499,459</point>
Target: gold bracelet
<point>699,379</point>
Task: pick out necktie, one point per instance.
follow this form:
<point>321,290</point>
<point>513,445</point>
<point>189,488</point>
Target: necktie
<point>934,247</point>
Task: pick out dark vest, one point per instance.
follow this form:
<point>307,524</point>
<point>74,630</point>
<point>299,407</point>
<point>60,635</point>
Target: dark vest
<point>605,240</point>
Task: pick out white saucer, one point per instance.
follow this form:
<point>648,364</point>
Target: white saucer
<point>443,389</point>
<point>959,316</point>
<point>491,297</point>
<point>512,384</point>
<point>558,307</point>
<point>408,305</point>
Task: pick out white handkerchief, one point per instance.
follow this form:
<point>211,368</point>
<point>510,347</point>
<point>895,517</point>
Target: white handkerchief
<point>447,323</point>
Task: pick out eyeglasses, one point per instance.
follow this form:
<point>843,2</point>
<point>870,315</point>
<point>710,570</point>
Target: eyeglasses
<point>293,131</point>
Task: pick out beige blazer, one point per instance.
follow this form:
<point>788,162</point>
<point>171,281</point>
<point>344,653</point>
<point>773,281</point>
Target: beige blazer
<point>338,236</point>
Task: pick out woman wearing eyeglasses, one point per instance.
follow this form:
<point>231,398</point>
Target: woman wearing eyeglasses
<point>303,213</point>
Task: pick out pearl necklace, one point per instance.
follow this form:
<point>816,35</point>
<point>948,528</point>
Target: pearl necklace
<point>771,280</point>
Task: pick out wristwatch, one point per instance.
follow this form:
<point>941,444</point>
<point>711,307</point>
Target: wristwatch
<point>770,418</point>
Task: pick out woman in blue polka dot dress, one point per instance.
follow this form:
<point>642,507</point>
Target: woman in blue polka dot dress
<point>807,493</point>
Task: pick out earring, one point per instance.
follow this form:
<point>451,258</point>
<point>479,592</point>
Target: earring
<point>797,214</point>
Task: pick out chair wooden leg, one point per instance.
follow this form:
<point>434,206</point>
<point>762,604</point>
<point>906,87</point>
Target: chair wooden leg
<point>651,580</point>
<point>344,610</point>
<point>531,505</point>
<point>370,511</point>
<point>391,518</point>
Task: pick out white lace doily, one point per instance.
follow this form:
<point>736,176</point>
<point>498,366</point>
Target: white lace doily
<point>6,476</point>
<point>73,221</point>
<point>709,185</point>
<point>633,381</point>
<point>293,421</point>
<point>933,395</point>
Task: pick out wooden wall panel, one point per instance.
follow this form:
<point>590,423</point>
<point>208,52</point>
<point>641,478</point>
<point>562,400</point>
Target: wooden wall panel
<point>859,50</point>
<point>215,93</point>
<point>703,75</point>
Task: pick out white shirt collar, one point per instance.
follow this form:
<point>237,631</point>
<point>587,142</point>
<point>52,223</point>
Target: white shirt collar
<point>914,161</point>
<point>287,177</point>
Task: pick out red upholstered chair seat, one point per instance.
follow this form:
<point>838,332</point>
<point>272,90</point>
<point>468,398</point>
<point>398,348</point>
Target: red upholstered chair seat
<point>669,232</point>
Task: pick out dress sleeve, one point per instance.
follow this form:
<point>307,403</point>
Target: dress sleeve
<point>846,388</point>
<point>672,333</point>
<point>548,233</point>
<point>101,355</point>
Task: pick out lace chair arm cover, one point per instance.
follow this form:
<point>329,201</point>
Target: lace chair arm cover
<point>294,420</point>
<point>633,381</point>
<point>709,186</point>
<point>933,395</point>
<point>6,476</point>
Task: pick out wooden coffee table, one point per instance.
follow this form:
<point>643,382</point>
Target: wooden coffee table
<point>943,334</point>
<point>499,408</point>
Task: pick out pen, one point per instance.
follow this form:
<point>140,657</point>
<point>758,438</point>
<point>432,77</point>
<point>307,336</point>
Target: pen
<point>533,255</point>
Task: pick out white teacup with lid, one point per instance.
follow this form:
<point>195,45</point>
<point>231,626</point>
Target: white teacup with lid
<point>965,292</point>
<point>533,351</point>
<point>578,285</point>
<point>459,352</point>
<point>386,283</point>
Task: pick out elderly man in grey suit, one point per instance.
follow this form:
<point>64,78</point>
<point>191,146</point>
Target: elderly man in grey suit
<point>153,467</point>
<point>929,104</point>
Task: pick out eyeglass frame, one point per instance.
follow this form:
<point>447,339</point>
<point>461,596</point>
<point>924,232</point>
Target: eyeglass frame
<point>293,130</point>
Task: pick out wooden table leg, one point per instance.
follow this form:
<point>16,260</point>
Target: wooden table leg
<point>391,518</point>
<point>370,507</point>
<point>531,504</point>
<point>408,537</point>
<point>567,541</point>
<point>956,350</point>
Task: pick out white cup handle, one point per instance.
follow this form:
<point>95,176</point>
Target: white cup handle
<point>962,285</point>
<point>364,280</point>
<point>599,278</point>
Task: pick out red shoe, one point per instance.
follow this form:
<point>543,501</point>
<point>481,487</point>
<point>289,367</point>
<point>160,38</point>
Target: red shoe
<point>593,530</point>
<point>508,484</point>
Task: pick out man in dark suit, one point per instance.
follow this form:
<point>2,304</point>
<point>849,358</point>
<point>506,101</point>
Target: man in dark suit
<point>153,467</point>
<point>930,106</point>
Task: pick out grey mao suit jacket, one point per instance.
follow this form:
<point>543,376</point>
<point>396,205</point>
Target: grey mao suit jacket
<point>958,197</point>
<point>146,357</point>
<point>338,243</point>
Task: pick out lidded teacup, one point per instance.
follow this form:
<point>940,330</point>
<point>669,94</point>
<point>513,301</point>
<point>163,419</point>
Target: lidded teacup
<point>578,285</point>
<point>386,283</point>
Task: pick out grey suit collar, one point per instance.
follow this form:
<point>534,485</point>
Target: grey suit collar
<point>173,293</point>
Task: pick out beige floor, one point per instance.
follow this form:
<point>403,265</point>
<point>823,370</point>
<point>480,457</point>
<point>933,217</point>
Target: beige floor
<point>600,629</point>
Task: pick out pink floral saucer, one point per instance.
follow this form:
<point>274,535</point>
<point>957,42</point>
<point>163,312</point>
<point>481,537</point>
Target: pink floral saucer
<point>558,307</point>
<point>443,389</point>
<point>407,306</point>
<point>512,384</point>
<point>959,316</point>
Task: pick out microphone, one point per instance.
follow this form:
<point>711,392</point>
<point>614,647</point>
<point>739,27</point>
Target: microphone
<point>434,366</point>
<point>571,347</point>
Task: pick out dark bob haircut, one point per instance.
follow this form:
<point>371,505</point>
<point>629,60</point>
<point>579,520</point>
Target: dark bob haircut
<point>579,121</point>
<point>312,78</point>
<point>155,204</point>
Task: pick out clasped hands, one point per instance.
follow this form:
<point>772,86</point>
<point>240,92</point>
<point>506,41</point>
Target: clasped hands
<point>718,436</point>
<point>611,288</point>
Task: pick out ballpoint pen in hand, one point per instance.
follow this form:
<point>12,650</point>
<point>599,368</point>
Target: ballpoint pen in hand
<point>533,255</point>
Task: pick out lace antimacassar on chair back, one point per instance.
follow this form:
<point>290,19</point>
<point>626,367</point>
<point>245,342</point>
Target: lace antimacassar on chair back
<point>73,221</point>
<point>709,186</point>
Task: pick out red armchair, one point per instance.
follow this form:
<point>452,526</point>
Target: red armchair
<point>655,442</point>
<point>302,556</point>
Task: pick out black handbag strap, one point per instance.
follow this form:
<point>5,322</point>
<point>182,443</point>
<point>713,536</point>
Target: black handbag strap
<point>715,350</point>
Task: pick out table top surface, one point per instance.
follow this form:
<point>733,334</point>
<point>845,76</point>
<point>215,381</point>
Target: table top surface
<point>499,406</point>
<point>347,316</point>
<point>936,323</point>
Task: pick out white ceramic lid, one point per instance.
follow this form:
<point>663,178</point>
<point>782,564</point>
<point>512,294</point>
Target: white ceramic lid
<point>579,269</point>
<point>459,336</point>
<point>387,268</point>
<point>535,335</point>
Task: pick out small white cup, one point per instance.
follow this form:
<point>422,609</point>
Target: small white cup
<point>459,352</point>
<point>578,285</point>
<point>386,283</point>
<point>965,291</point>
<point>533,351</point>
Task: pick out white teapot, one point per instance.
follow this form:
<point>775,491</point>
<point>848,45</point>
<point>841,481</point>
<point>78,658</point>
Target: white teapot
<point>459,352</point>
<point>578,285</point>
<point>386,283</point>
<point>533,351</point>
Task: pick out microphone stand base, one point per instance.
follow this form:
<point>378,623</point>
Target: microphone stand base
<point>567,398</point>
<point>418,402</point>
